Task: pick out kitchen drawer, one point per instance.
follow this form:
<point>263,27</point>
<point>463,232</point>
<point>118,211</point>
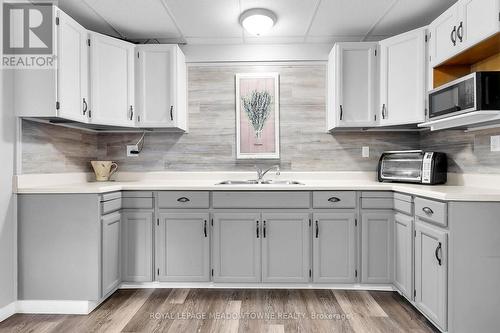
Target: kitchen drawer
<point>111,206</point>
<point>431,211</point>
<point>334,199</point>
<point>377,203</point>
<point>183,199</point>
<point>404,207</point>
<point>137,203</point>
<point>111,196</point>
<point>402,197</point>
<point>260,200</point>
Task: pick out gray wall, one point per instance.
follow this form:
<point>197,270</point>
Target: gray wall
<point>210,143</point>
<point>8,269</point>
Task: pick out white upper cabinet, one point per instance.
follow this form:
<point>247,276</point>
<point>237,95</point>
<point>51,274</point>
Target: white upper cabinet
<point>161,86</point>
<point>111,81</point>
<point>463,25</point>
<point>72,74</point>
<point>352,70</point>
<point>402,79</point>
<point>479,19</point>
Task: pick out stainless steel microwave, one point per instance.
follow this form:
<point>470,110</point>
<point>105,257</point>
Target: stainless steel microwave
<point>479,91</point>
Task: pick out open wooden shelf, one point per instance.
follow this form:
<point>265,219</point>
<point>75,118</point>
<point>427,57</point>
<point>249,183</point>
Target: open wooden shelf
<point>484,56</point>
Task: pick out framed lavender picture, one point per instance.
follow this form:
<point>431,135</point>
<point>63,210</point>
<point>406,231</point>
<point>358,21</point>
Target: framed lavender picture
<point>257,116</point>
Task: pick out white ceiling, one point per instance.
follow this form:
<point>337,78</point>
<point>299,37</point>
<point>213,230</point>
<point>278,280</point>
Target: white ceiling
<point>216,21</point>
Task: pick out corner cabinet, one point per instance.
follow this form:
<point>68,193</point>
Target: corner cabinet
<point>183,251</point>
<point>137,246</point>
<point>161,87</point>
<point>431,267</point>
<point>403,79</point>
<point>352,85</point>
<point>111,81</point>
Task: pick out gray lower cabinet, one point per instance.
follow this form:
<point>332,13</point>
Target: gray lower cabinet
<point>111,230</point>
<point>183,251</point>
<point>376,246</point>
<point>137,246</point>
<point>286,247</point>
<point>334,247</point>
<point>236,255</point>
<point>403,246</point>
<point>431,267</point>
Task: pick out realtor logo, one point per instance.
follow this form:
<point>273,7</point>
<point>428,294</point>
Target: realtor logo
<point>28,35</point>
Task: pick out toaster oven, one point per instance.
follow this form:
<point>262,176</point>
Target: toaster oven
<point>413,166</point>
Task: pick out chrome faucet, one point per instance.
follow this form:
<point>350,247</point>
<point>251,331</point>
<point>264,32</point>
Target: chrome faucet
<point>261,173</point>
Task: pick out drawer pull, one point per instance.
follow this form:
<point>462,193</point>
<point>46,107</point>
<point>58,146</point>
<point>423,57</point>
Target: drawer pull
<point>264,230</point>
<point>333,199</point>
<point>428,211</point>
<point>317,230</point>
<point>439,254</point>
<point>183,199</point>
<point>205,229</point>
<point>257,229</point>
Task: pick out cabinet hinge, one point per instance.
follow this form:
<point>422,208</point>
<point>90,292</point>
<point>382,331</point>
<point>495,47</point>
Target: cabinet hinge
<point>158,271</point>
<point>58,105</point>
<point>355,222</point>
<point>138,55</point>
<point>90,113</point>
<point>310,273</point>
<point>426,38</point>
<point>375,52</point>
<point>212,272</point>
<point>310,222</point>
<point>212,222</point>
<point>57,20</point>
<point>355,273</point>
<point>88,42</point>
<point>138,119</point>
<point>158,222</point>
<point>414,292</point>
<point>414,233</point>
<point>375,117</point>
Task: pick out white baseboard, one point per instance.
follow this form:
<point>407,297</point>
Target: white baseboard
<point>200,285</point>
<point>55,307</point>
<point>7,311</point>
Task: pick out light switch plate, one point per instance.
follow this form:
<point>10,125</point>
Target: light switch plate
<point>365,152</point>
<point>495,143</point>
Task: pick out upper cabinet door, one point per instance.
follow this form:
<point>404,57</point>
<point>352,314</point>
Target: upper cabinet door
<point>352,70</point>
<point>478,20</point>
<point>402,78</point>
<point>112,81</point>
<point>72,74</point>
<point>161,84</point>
<point>443,32</point>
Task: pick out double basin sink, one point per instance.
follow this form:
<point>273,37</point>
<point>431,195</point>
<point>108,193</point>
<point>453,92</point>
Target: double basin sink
<point>260,182</point>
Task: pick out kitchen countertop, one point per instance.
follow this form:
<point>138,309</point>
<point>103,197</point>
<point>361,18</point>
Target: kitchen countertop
<point>460,188</point>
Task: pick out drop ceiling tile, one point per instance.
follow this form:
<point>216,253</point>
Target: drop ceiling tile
<point>348,17</point>
<point>207,18</point>
<point>86,16</point>
<point>137,19</point>
<point>410,14</point>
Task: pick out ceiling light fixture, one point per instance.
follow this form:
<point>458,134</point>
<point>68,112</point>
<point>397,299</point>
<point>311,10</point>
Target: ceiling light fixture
<point>257,20</point>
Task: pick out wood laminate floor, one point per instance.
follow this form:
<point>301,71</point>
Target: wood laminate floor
<point>235,310</point>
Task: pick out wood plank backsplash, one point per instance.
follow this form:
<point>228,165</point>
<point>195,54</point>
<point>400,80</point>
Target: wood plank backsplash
<point>210,143</point>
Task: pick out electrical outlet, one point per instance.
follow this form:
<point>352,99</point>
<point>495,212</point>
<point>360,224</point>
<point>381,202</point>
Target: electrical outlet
<point>495,143</point>
<point>365,152</point>
<point>131,148</point>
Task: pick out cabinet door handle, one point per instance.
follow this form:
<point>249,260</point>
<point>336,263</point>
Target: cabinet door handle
<point>383,111</point>
<point>428,211</point>
<point>439,254</point>
<point>317,229</point>
<point>205,229</point>
<point>257,230</point>
<point>85,107</point>
<point>334,199</point>
<point>453,36</point>
<point>264,230</point>
<point>183,199</point>
<point>131,112</point>
<point>460,31</point>
<point>341,112</point>
<point>172,112</point>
